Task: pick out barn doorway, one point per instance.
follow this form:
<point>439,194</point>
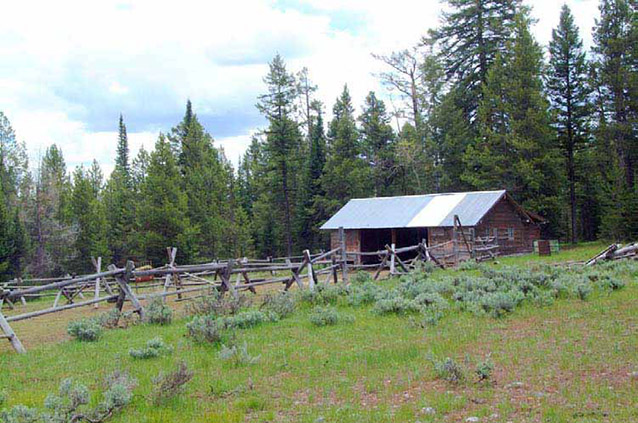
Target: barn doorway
<point>377,239</point>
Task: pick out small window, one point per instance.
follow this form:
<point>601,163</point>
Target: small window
<point>510,234</point>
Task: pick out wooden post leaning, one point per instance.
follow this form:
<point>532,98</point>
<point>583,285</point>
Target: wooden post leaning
<point>8,333</point>
<point>125,289</point>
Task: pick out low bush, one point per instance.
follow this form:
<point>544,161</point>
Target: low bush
<point>170,385</point>
<point>324,316</point>
<point>154,348</point>
<point>364,293</point>
<point>158,313</point>
<point>86,330</point>
<point>429,317</point>
<point>248,319</point>
<point>237,355</point>
<point>205,329</point>
<point>583,290</point>
<point>282,304</point>
<point>395,304</point>
<point>323,294</point>
<point>449,370</point>
<point>216,304</point>
<point>3,397</point>
<point>484,370</point>
<point>71,403</point>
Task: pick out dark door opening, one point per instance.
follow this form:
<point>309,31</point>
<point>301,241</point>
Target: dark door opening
<point>377,239</point>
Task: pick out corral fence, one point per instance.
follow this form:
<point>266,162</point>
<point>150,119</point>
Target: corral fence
<point>186,282</point>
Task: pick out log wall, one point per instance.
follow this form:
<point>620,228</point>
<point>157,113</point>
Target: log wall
<point>504,221</point>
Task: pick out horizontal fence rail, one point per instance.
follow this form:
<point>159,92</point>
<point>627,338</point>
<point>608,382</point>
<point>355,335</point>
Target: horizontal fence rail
<point>121,285</point>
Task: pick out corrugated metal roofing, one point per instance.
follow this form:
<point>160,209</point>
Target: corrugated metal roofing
<point>414,211</point>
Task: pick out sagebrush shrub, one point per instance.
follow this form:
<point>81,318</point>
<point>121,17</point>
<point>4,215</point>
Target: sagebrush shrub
<point>71,402</point>
<point>205,329</point>
<point>364,293</point>
<point>484,370</point>
<point>323,294</point>
<point>394,305</point>
<point>324,316</point>
<point>87,330</point>
<point>157,312</point>
<point>215,304</point>
<point>583,290</point>
<point>154,348</point>
<point>449,370</point>
<point>169,385</point>
<point>282,304</point>
<point>237,355</point>
<point>247,319</point>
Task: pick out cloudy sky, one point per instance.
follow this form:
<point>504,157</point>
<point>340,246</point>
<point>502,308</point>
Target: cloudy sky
<point>68,68</point>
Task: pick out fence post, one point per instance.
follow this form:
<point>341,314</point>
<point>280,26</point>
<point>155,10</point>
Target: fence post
<point>311,273</point>
<point>225,277</point>
<point>392,259</point>
<point>344,256</point>
<point>11,335</point>
<point>98,268</point>
<point>333,263</point>
<point>125,289</point>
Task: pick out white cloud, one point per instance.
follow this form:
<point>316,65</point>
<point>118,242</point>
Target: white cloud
<point>68,70</point>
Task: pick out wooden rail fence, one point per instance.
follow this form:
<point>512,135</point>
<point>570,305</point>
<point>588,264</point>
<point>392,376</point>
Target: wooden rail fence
<point>120,285</point>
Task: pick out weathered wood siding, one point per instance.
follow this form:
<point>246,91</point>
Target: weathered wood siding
<point>515,235</point>
<point>353,240</point>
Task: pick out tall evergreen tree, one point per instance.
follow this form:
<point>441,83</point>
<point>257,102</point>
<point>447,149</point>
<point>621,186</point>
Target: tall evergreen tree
<point>50,220</point>
<point>119,201</point>
<point>162,215</point>
<point>346,174</point>
<point>310,214</point>
<point>515,149</point>
<point>615,59</point>
<point>89,217</point>
<point>6,249</point>
<point>469,39</point>
<point>283,143</point>
<point>569,93</point>
<point>377,140</point>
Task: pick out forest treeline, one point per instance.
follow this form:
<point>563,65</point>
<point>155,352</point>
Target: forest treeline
<point>477,104</point>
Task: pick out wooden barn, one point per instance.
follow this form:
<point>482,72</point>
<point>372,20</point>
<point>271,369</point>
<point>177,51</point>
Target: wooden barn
<point>452,224</point>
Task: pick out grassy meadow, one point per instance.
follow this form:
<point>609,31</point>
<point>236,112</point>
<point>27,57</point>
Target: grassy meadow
<point>566,360</point>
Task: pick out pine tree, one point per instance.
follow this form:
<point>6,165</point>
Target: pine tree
<point>515,149</point>
<point>207,180</point>
<point>469,39</point>
<point>119,202</point>
<point>162,215</point>
<point>6,250</point>
<point>50,219</point>
<point>569,93</point>
<point>450,134</point>
<point>139,169</point>
<point>309,214</point>
<point>377,140</point>
<point>616,70</point>
<point>90,222</point>
<point>346,174</point>
<point>283,143</point>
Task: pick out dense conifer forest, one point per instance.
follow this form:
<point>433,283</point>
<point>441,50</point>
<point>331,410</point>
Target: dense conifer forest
<point>483,106</point>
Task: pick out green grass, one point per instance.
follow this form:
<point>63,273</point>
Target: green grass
<point>572,358</point>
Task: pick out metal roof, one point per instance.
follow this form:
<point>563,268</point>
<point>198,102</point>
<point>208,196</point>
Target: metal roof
<point>414,211</point>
